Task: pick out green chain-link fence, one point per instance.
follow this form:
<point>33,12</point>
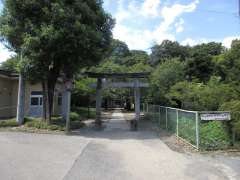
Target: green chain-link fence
<point>187,125</point>
<point>183,123</point>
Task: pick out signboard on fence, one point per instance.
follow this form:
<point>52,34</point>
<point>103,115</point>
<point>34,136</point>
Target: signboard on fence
<point>216,116</point>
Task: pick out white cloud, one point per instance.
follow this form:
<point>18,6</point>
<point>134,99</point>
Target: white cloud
<point>179,25</point>
<point>171,13</point>
<point>150,8</point>
<point>228,41</point>
<point>135,39</point>
<point>193,42</point>
<point>189,42</point>
<point>121,14</point>
<point>143,38</point>
<point>4,53</point>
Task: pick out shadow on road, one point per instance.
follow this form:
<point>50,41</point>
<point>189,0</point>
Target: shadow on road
<point>116,125</point>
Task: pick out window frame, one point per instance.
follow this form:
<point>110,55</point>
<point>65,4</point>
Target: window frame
<point>40,100</point>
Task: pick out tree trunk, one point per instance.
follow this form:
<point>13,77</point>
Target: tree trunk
<point>47,103</point>
<point>44,115</point>
<point>49,98</point>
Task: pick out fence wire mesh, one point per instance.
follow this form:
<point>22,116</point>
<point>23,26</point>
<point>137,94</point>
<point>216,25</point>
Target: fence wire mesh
<point>206,135</point>
<point>182,123</point>
<point>171,120</point>
<point>187,126</point>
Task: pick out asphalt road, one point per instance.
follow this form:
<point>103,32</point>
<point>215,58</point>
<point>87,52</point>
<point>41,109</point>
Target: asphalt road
<point>112,154</point>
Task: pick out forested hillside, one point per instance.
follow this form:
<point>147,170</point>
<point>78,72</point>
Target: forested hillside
<point>204,77</point>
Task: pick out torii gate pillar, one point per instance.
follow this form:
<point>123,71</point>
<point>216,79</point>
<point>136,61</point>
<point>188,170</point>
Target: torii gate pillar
<point>137,104</point>
<point>98,103</point>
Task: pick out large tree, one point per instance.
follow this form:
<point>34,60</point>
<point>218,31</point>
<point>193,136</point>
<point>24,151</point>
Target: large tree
<point>164,77</point>
<point>55,37</point>
<point>200,65</point>
<point>168,50</point>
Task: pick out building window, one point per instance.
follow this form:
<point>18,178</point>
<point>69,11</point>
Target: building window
<point>34,101</point>
<point>36,98</point>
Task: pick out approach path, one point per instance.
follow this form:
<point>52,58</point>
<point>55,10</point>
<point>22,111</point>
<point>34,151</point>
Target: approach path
<point>116,153</point>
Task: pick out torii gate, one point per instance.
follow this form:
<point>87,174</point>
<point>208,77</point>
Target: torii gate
<point>136,84</point>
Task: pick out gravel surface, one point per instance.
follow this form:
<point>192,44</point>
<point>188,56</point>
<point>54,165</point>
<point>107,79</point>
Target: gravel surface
<point>114,153</point>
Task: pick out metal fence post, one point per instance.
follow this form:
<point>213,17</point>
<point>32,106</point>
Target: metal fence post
<point>197,131</point>
<point>177,122</point>
<point>166,119</point>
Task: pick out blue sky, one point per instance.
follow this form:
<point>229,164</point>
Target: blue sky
<point>142,23</point>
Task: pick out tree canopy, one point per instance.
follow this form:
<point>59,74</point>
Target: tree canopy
<point>56,37</point>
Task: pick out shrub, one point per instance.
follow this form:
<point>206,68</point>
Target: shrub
<point>39,124</point>
<point>234,108</point>
<point>8,123</point>
<point>74,116</point>
<point>213,135</point>
<point>187,129</point>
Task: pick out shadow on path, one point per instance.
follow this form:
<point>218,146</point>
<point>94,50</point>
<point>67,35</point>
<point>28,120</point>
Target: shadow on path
<point>115,127</point>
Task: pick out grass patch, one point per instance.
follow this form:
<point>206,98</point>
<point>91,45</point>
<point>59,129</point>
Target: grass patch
<point>8,123</point>
<point>38,123</point>
<point>214,136</point>
<point>57,123</point>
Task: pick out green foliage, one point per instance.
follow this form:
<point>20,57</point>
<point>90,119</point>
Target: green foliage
<point>213,135</point>
<point>136,57</point>
<point>82,91</point>
<point>202,97</point>
<point>74,116</point>
<point>168,50</point>
<point>118,51</point>
<point>57,124</point>
<point>10,64</point>
<point>228,64</point>
<point>55,37</point>
<point>200,64</point>
<point>37,124</point>
<point>109,66</point>
<point>140,67</point>
<point>187,129</point>
<point>82,87</point>
<point>8,123</point>
<point>83,112</point>
<point>210,49</point>
<point>164,76</point>
<point>200,67</point>
<point>234,107</point>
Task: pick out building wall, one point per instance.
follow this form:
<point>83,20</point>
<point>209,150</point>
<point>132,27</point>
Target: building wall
<point>9,97</point>
<point>6,105</point>
<point>38,87</point>
<point>14,97</point>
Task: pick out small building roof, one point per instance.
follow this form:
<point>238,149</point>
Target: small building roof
<point>9,74</point>
<point>118,75</point>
